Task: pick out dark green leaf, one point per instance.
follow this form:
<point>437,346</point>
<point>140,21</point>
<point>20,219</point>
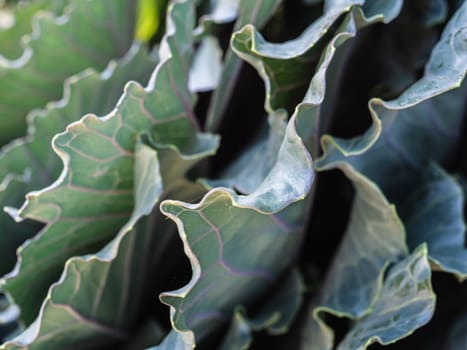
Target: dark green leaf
<point>434,214</point>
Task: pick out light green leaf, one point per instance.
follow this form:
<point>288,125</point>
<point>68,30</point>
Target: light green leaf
<point>149,18</point>
<point>207,66</point>
<point>218,12</point>
<point>434,213</point>
<point>255,13</point>
<point>21,15</point>
<point>29,164</point>
<point>177,341</point>
<point>93,197</point>
<point>90,34</point>
<point>406,303</point>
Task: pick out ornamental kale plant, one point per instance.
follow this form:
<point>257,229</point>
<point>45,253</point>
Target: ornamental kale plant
<point>233,174</point>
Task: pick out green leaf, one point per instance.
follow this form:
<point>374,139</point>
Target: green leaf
<point>21,15</point>
<point>359,155</point>
<point>398,151</point>
<point>177,340</point>
<point>99,297</point>
<point>90,34</point>
<point>253,170</point>
<point>403,49</point>
<point>30,163</point>
<point>218,12</point>
<point>374,238</point>
<point>406,303</point>
<point>93,197</point>
<point>286,68</point>
<point>148,19</point>
<point>434,213</point>
<point>274,316</point>
<point>403,302</point>
<point>391,146</point>
<point>214,233</point>
<point>85,309</point>
<point>231,266</point>
<point>86,92</point>
<point>248,173</point>
<point>255,13</point>
<point>207,66</point>
<point>12,234</point>
<point>252,167</point>
<point>250,170</point>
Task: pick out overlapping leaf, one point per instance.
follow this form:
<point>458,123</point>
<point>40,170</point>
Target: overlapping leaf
<point>90,34</point>
<point>233,240</point>
<point>275,315</point>
<point>357,291</point>
<point>286,68</point>
<point>427,107</point>
<point>374,239</point>
<point>255,13</point>
<point>249,172</point>
<point>350,282</point>
<point>240,245</point>
<point>93,197</point>
<point>406,302</point>
<point>98,298</point>
<point>78,309</point>
<point>438,194</point>
<point>394,119</point>
<point>30,163</point>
